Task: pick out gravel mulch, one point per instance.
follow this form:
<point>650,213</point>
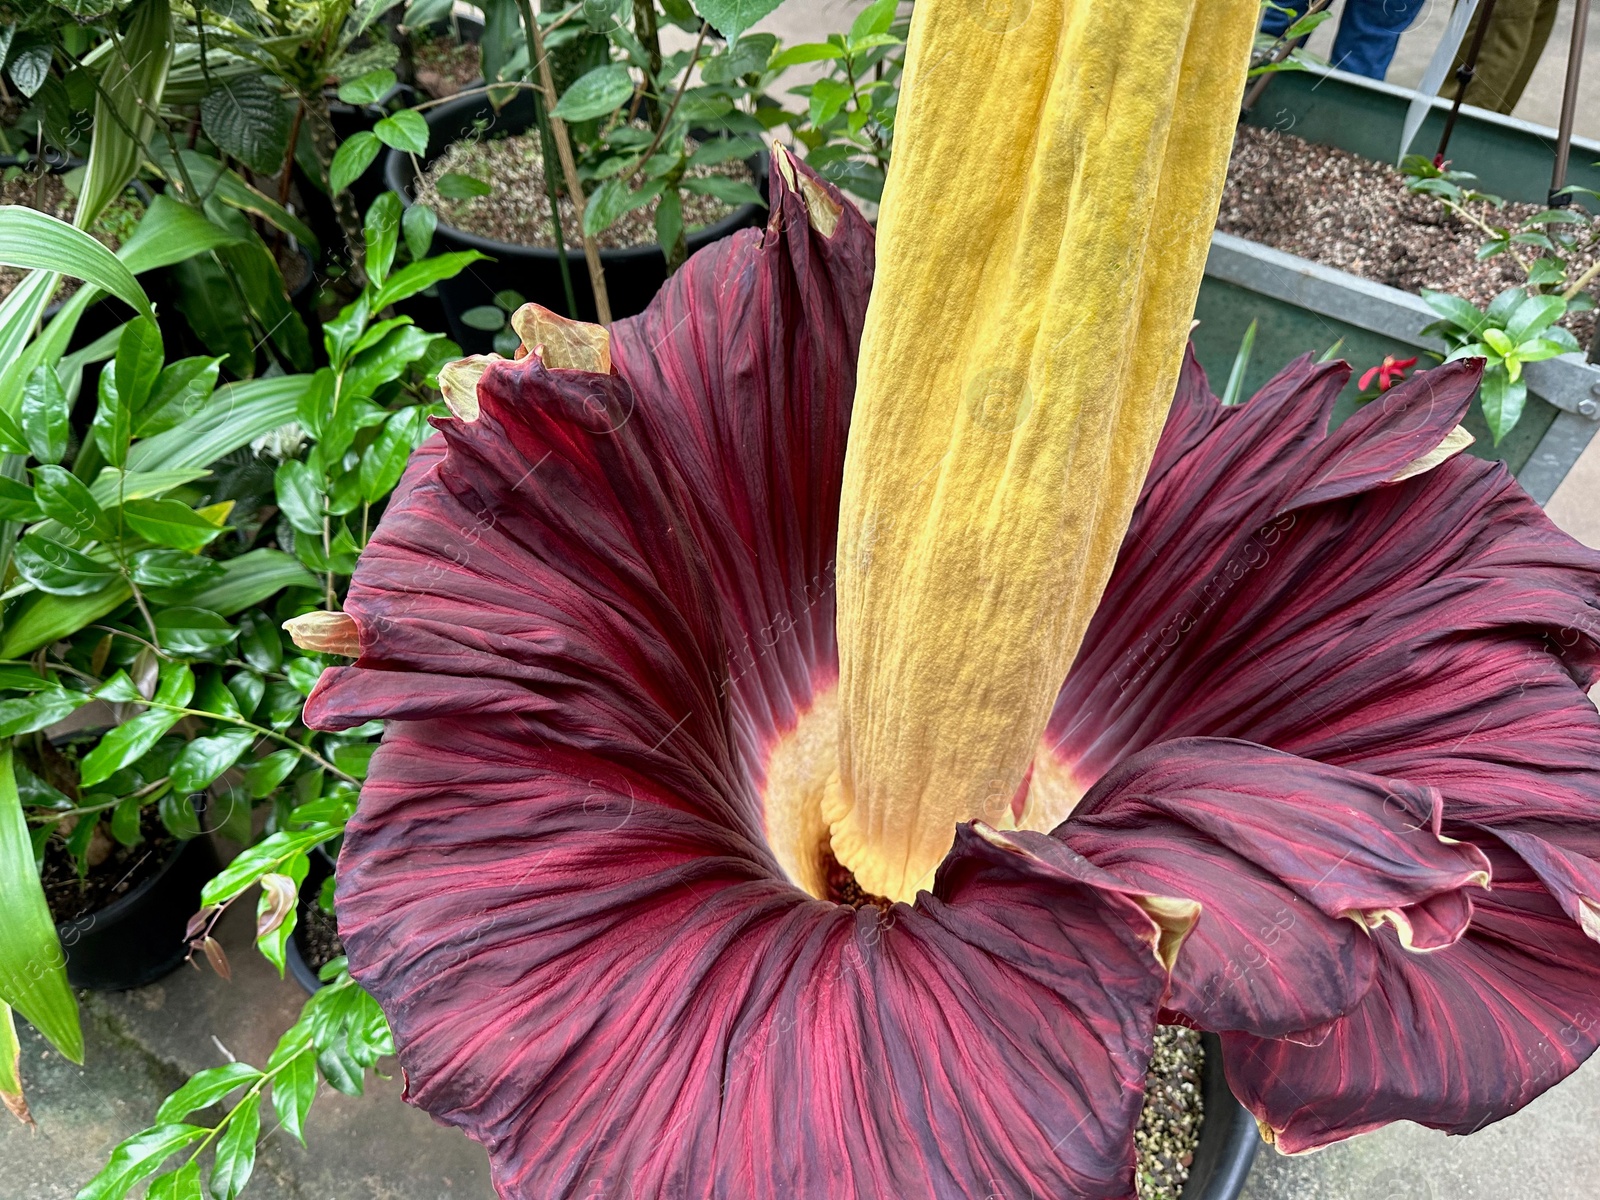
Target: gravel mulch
<point>517,209</point>
<point>318,934</point>
<point>1169,1126</point>
<point>1345,211</point>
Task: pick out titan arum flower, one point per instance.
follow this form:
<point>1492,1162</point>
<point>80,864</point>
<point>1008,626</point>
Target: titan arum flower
<point>734,832</point>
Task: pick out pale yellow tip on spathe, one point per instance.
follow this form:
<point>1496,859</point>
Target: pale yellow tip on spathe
<point>1056,175</point>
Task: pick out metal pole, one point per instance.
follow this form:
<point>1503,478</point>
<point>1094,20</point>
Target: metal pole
<point>1569,102</point>
<point>1464,74</point>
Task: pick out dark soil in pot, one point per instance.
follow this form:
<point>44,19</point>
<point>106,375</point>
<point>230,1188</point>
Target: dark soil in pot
<point>122,925</point>
<point>315,940</point>
<point>634,273</point>
<point>1345,211</point>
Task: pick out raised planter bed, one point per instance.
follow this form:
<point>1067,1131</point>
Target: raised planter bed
<point>1301,305</point>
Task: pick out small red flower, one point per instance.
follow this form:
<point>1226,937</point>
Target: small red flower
<point>1389,372</point>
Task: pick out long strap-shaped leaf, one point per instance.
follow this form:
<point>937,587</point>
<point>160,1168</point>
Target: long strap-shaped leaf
<point>33,239</point>
<point>11,1067</point>
<point>131,84</point>
<point>33,970</point>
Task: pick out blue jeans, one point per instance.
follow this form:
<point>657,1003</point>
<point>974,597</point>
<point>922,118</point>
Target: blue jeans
<point>1369,30</point>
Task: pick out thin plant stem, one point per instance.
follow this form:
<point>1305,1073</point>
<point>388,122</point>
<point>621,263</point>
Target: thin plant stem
<point>666,117</point>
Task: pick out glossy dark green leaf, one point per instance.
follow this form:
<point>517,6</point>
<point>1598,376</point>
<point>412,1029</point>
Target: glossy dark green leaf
<point>125,744</point>
<point>247,688</point>
<point>266,774</point>
<point>63,497</point>
<point>169,523</point>
<point>59,570</point>
<point>125,821</point>
<point>455,186</point>
<point>17,502</point>
<point>182,1184</point>
<point>729,191</point>
<point>236,1150</point>
<point>613,198</point>
<point>180,391</point>
<point>193,630</point>
<point>113,422</point>
<point>179,817</point>
<point>420,276</point>
<point>387,360</point>
<point>26,714</point>
<point>265,856</point>
<point>138,362</point>
<point>260,642</point>
<point>201,761</point>
<point>248,580</point>
<point>385,460</point>
<point>171,569</point>
<point>299,496</point>
<point>43,418</point>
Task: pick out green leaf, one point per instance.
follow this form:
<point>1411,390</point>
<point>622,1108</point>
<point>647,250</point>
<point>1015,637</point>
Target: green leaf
<point>406,130</point>
<point>804,53</point>
<point>41,619</point>
<point>17,502</point>
<point>875,18</point>
<point>138,362</point>
<point>294,1086</point>
<point>236,1151</point>
<point>385,460</point>
<point>417,225</point>
<point>299,496</point>
<point>29,67</point>
<point>247,688</point>
<point>249,580</point>
<point>1502,399</point>
<point>382,235</point>
<point>180,391</point>
<point>178,815</point>
<point>192,630</point>
<point>277,910</point>
<point>182,1184</point>
<point>260,642</point>
<point>59,570</point>
<point>125,744</point>
<point>369,88</point>
<point>1533,315</point>
<point>611,199</point>
<point>26,714</point>
<point>1458,312</point>
<point>125,821</point>
<point>729,191</point>
<point>340,1068</point>
<point>595,93</point>
<point>235,416</point>
<point>455,186</point>
<point>730,18</point>
<point>204,1089</point>
<point>266,856</point>
<point>248,119</point>
<point>166,569</point>
<point>265,774</point>
<point>419,276</point>
<point>33,976</point>
<point>201,761</point>
<point>169,523</point>
<point>387,360</point>
<point>44,416</point>
<point>31,239</point>
<point>62,497</point>
<point>137,1158</point>
<point>487,317</point>
<point>113,422</point>
<point>351,160</point>
<point>169,233</point>
<point>1545,271</point>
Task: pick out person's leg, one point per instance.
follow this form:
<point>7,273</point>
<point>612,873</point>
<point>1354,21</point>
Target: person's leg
<point>1517,33</point>
<point>1275,22</point>
<point>1369,31</point>
<point>1543,22</point>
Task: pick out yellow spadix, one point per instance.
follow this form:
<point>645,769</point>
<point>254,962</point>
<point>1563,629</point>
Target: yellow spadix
<point>1056,175</point>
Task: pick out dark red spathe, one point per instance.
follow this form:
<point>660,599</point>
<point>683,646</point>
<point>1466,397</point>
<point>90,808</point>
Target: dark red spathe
<point>591,613</point>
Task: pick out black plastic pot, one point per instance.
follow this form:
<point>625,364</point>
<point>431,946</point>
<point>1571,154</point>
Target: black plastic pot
<point>633,275</point>
<point>139,937</point>
<point>294,951</point>
<point>1228,1137</point>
